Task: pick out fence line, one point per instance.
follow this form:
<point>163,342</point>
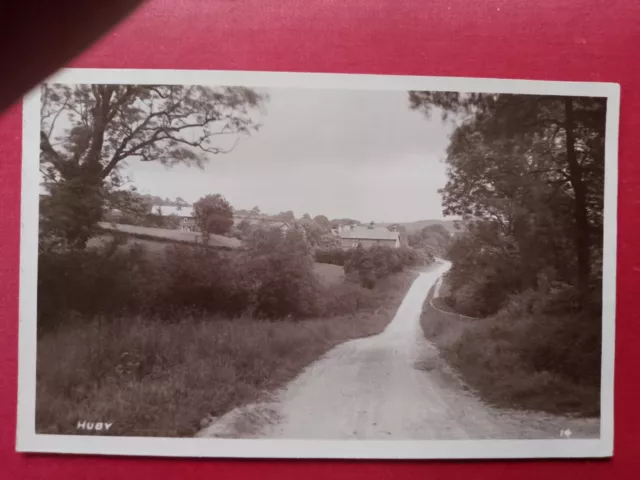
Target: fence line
<point>450,313</point>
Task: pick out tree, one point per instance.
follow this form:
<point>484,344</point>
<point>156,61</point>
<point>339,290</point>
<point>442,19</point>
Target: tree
<point>312,232</point>
<point>69,216</point>
<point>287,216</point>
<point>359,266</point>
<point>532,164</point>
<point>323,222</point>
<point>88,131</point>
<point>255,211</point>
<point>245,227</point>
<point>284,280</point>
<point>345,222</point>
<point>432,239</point>
<point>213,215</point>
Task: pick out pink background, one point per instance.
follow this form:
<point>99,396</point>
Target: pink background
<point>547,39</point>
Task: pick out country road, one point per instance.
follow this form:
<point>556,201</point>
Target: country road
<point>390,386</point>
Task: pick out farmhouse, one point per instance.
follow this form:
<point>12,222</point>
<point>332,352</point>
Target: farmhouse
<point>352,236</point>
<point>188,223</point>
<point>184,213</point>
<point>261,222</point>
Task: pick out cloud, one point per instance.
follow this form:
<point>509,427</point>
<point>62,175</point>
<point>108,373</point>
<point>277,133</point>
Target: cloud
<point>360,154</point>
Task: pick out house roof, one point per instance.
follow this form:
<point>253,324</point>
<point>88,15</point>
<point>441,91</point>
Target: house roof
<point>184,211</point>
<point>280,225</point>
<point>265,222</point>
<point>366,233</point>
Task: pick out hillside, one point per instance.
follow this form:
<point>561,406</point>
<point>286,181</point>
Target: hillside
<point>170,235</point>
<point>418,225</point>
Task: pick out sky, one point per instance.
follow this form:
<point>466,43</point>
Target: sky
<point>344,154</point>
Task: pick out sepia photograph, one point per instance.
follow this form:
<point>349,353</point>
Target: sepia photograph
<point>355,266</point>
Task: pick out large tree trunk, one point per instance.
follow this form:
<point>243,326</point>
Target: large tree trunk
<point>580,205</point>
<point>101,112</point>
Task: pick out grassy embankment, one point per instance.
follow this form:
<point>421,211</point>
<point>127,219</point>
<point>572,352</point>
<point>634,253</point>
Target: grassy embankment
<point>161,379</point>
<point>503,357</point>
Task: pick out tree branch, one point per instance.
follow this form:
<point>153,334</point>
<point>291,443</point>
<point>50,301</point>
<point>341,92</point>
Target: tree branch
<point>101,113</point>
<point>120,152</point>
<point>48,176</point>
<point>115,108</point>
<point>155,89</point>
<point>55,118</point>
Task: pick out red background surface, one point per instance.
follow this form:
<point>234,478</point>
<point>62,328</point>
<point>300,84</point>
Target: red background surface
<point>547,39</point>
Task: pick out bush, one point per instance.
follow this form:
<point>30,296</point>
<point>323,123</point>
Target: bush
<point>346,298</point>
<point>334,256</point>
<point>533,353</point>
<point>92,281</point>
<point>286,286</point>
<point>282,265</point>
<point>196,280</point>
<point>367,265</point>
<point>274,279</point>
<point>554,334</point>
<point>70,214</point>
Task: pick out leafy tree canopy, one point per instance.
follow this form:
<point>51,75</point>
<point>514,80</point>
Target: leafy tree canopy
<point>213,215</point>
<point>88,131</point>
<point>534,166</point>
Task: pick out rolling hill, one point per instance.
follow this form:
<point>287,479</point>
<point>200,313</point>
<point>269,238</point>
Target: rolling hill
<point>418,225</point>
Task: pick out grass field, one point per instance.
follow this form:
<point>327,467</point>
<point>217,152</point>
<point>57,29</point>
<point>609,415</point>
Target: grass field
<point>172,235</point>
<point>161,379</point>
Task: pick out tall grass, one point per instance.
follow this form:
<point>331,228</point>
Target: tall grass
<point>522,357</point>
<point>151,378</point>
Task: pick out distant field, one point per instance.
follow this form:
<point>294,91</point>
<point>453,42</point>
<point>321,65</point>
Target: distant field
<point>413,227</point>
<point>329,274</point>
<point>171,235</point>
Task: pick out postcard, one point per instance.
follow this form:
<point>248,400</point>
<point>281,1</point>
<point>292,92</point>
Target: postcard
<point>290,265</point>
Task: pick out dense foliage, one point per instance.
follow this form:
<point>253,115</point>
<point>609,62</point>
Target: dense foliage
<point>367,265</point>
<point>526,175</point>
<point>88,131</point>
<point>213,215</point>
<point>432,239</point>
<point>273,278</point>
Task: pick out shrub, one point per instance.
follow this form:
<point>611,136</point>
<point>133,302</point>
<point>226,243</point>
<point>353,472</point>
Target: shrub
<point>286,286</point>
<point>524,355</point>
<point>367,265</point>
<point>284,279</point>
<point>334,256</point>
<point>213,215</point>
<point>92,281</point>
<point>346,298</point>
<point>274,278</point>
<point>72,211</point>
<point>185,279</point>
<point>197,280</point>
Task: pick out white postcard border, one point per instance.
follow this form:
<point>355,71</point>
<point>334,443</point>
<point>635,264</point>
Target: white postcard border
<point>27,440</point>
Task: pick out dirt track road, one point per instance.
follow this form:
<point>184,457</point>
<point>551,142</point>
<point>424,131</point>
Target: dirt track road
<point>390,386</point>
